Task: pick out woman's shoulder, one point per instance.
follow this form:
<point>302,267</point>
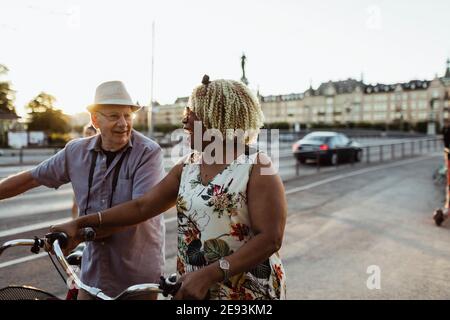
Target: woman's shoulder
<point>263,164</point>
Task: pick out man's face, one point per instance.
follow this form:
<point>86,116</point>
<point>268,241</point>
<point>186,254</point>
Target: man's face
<point>115,123</point>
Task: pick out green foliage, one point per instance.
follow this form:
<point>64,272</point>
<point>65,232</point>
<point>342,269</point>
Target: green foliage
<point>59,139</point>
<point>45,117</point>
<point>277,125</point>
<point>41,103</point>
<point>140,127</point>
<point>7,95</point>
<point>165,127</point>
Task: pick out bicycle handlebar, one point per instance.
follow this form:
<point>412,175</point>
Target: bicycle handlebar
<point>166,286</point>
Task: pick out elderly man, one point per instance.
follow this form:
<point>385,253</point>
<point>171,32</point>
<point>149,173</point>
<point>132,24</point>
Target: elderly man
<point>112,167</point>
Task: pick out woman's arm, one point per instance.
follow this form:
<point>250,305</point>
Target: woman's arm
<point>267,210</point>
<point>159,199</point>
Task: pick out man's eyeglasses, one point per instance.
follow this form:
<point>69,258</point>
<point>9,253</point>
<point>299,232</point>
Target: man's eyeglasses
<point>114,117</point>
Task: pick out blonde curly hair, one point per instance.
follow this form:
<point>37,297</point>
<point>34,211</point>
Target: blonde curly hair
<point>227,104</point>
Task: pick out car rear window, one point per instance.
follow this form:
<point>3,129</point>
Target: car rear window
<point>316,138</point>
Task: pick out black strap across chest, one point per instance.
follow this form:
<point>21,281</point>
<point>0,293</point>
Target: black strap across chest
<point>114,181</point>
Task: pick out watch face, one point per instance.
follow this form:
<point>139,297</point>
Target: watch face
<point>224,264</point>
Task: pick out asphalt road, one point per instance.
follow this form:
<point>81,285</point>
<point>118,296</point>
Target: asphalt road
<point>338,225</point>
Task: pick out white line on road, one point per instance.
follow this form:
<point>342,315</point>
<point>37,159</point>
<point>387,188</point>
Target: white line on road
<point>32,227</point>
<point>354,173</point>
<point>291,191</point>
<point>21,260</point>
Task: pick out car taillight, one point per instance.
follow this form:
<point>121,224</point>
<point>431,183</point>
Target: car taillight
<point>295,147</point>
<point>324,147</point>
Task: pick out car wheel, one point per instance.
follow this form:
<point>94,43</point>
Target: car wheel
<point>358,155</point>
<point>302,160</point>
<point>334,159</point>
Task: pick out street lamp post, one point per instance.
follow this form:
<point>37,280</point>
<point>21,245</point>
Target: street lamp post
<point>150,120</point>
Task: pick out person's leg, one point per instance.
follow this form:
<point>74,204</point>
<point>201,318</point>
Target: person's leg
<point>147,296</point>
<point>83,295</point>
<point>447,185</point>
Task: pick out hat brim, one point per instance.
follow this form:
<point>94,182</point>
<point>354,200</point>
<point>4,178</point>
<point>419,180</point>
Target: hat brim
<point>134,107</point>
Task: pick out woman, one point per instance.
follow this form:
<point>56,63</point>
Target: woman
<point>231,214</point>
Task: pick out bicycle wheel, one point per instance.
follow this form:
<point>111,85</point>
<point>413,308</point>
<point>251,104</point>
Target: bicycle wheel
<point>25,293</point>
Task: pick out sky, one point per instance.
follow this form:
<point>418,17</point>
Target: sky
<point>67,48</point>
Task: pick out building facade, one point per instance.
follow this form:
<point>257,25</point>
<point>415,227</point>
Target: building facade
<point>340,102</point>
<point>349,101</point>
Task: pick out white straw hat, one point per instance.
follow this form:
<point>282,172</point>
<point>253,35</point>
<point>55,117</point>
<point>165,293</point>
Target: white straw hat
<point>112,92</point>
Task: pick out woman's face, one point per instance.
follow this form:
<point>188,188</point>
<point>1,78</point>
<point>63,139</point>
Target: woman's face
<point>188,121</point>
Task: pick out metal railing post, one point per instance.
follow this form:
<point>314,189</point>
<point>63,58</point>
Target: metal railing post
<point>317,161</point>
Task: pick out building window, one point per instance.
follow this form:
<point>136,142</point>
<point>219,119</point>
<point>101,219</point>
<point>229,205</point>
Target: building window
<point>379,116</point>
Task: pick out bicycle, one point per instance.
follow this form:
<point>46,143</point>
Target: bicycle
<point>167,286</point>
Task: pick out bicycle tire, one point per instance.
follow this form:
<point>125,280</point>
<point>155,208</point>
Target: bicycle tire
<point>25,293</point>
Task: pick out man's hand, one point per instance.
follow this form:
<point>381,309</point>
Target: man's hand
<point>74,235</point>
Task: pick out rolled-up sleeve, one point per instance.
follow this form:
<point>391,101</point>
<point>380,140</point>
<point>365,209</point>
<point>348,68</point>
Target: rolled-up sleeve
<point>149,173</point>
<point>53,172</point>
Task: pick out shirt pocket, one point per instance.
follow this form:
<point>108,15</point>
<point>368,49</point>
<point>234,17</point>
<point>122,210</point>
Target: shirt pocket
<point>124,191</point>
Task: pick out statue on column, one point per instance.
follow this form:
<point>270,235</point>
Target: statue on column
<point>243,79</point>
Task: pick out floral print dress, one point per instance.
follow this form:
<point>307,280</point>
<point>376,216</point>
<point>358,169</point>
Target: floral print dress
<point>213,222</point>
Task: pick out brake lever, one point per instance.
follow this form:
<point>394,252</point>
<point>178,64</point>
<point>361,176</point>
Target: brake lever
<point>38,244</point>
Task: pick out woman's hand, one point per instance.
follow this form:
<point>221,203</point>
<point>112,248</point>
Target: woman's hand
<point>73,233</point>
<point>194,285</point>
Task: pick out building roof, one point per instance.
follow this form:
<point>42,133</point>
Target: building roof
<point>8,115</point>
<point>349,86</point>
<point>344,86</point>
<point>182,100</point>
<point>407,86</point>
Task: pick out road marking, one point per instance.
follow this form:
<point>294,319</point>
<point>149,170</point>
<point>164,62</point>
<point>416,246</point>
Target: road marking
<point>354,173</point>
<point>46,224</point>
<point>21,260</point>
<point>37,195</point>
<point>288,192</point>
<point>291,191</point>
<point>32,227</point>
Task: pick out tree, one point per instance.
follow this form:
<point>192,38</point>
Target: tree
<point>45,117</point>
<point>7,95</point>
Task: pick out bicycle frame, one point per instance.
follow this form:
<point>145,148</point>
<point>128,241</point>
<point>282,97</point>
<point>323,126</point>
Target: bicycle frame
<point>165,286</point>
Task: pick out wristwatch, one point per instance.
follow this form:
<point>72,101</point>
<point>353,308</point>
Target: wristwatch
<point>224,265</point>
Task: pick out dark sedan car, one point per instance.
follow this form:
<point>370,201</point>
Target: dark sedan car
<point>331,147</point>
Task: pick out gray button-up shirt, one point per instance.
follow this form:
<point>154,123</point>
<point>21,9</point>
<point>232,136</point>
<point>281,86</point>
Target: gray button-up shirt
<point>130,257</point>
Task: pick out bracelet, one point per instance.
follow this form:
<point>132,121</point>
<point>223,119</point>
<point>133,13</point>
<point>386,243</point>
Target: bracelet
<point>99,214</point>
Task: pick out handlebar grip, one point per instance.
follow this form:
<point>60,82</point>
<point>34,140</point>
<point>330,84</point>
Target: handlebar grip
<point>89,234</point>
<point>60,236</point>
<point>169,285</point>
